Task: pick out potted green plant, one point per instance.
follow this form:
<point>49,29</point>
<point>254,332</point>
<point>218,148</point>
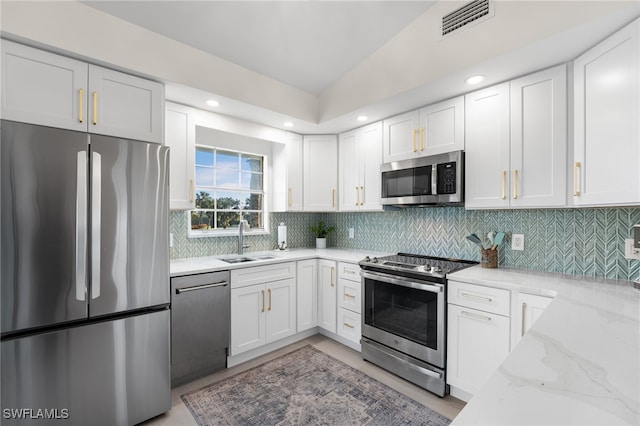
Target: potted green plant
<point>321,230</point>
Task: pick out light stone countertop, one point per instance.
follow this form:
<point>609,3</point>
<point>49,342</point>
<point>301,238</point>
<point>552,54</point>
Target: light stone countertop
<point>579,364</point>
<point>197,265</point>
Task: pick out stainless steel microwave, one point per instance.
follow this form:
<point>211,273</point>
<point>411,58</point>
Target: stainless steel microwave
<point>427,181</point>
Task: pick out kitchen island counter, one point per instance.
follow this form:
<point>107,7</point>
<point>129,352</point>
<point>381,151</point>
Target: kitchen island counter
<point>579,364</point>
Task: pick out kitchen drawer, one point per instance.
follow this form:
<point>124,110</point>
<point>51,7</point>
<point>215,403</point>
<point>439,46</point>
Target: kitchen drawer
<point>349,295</point>
<point>262,274</point>
<point>349,271</point>
<point>488,299</point>
<point>349,325</point>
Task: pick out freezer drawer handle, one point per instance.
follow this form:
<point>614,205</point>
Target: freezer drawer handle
<point>201,287</point>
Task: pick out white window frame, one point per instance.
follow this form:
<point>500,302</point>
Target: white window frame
<point>222,232</point>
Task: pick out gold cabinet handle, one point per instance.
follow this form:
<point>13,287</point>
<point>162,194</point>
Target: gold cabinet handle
<point>346,324</point>
<point>504,184</point>
<point>333,198</point>
<point>290,197</point>
<point>362,199</point>
<point>576,175</point>
<point>269,290</point>
<point>95,108</point>
<point>191,190</point>
<point>422,139</point>
<point>515,184</point>
<point>262,291</point>
<point>351,296</point>
<point>524,309</point>
<point>80,105</point>
<point>415,148</point>
<point>357,197</point>
<point>332,270</point>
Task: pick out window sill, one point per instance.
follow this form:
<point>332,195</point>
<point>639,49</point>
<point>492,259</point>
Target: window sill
<point>224,233</point>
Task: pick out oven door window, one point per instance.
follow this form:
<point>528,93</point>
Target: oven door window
<point>403,311</point>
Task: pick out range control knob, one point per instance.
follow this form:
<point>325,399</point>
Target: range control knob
<point>375,260</point>
<point>367,259</point>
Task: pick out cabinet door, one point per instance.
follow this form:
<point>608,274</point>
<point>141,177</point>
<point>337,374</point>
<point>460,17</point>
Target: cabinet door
<point>349,166</point>
<point>181,138</point>
<point>442,127</point>
<point>294,172</point>
<point>487,147</point>
<point>327,292</point>
<point>42,88</point>
<point>528,309</point>
<point>370,154</point>
<point>307,294</point>
<point>607,128</point>
<point>281,309</point>
<point>320,173</point>
<point>539,139</point>
<point>125,106</point>
<point>247,318</point>
<point>400,137</point>
<point>477,342</point>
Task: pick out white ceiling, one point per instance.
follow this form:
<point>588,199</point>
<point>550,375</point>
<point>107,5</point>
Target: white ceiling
<point>305,44</point>
<point>357,57</point>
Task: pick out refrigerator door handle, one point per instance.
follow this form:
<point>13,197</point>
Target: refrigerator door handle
<point>96,198</point>
<point>81,225</point>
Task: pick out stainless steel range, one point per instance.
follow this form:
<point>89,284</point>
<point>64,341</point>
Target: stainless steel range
<point>404,301</point>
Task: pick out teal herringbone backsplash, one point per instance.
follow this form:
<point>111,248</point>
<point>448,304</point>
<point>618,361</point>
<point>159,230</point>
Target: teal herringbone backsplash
<point>572,241</point>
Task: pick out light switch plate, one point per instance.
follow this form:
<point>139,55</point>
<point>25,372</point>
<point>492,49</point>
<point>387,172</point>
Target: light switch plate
<point>630,252</point>
<point>352,233</point>
<point>517,242</point>
<point>170,239</point>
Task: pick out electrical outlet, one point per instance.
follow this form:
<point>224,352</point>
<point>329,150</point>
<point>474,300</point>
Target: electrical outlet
<point>630,252</point>
<point>517,242</point>
<point>352,233</point>
<point>170,239</point>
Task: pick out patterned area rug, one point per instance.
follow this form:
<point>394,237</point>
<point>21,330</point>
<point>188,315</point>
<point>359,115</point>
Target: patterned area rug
<point>305,387</point>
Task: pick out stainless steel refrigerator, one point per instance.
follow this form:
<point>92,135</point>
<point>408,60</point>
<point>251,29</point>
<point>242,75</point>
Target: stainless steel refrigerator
<point>85,278</point>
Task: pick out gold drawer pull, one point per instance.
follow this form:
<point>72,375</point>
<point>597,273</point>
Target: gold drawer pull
<point>346,324</point>
<point>515,184</point>
<point>352,296</point>
<point>576,175</point>
<point>262,309</point>
<point>269,290</point>
<point>504,184</point>
<point>473,296</point>
<point>95,108</point>
<point>332,270</point>
<point>415,148</point>
<point>80,105</point>
<point>422,139</point>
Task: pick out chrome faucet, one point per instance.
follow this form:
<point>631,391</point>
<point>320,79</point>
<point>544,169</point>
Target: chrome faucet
<point>243,226</point>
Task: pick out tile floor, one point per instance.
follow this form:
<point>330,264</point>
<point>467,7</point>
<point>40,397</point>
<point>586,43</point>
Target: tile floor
<point>180,415</point>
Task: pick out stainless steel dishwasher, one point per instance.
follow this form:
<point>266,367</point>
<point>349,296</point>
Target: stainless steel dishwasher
<point>200,325</point>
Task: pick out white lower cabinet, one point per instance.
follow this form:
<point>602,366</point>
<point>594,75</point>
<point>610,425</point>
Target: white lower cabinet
<point>528,309</point>
<point>327,295</point>
<point>307,294</point>
<point>349,302</point>
<point>265,312</point>
<point>478,335</point>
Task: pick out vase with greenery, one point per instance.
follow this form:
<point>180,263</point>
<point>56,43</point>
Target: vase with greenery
<point>321,230</point>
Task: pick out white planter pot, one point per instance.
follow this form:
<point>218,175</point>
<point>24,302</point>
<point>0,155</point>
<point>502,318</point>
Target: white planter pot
<point>321,243</point>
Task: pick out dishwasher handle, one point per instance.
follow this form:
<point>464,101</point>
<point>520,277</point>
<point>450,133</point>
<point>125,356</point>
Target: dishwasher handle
<point>201,287</point>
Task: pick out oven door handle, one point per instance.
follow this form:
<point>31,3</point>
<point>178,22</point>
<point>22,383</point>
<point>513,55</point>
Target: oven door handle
<point>412,283</point>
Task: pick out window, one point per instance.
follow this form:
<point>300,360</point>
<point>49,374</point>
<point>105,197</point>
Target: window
<point>229,187</point>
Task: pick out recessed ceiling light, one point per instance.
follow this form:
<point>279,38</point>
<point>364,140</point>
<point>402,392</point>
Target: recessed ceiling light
<point>362,118</point>
<point>287,124</point>
<point>475,79</point>
<point>213,103</point>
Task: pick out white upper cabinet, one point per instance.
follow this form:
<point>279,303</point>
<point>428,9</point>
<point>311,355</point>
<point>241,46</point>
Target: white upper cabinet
<point>320,173</point>
<point>42,88</point>
<point>52,90</point>
<point>539,139</point>
<point>180,136</point>
<point>294,172</point>
<point>125,106</point>
<point>607,122</point>
<point>434,129</point>
<point>487,147</point>
<point>360,157</point>
<point>516,143</point>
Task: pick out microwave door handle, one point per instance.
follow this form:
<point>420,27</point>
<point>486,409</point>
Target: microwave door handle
<point>434,179</point>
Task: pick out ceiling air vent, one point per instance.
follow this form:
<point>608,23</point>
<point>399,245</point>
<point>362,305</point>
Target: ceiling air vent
<point>473,12</point>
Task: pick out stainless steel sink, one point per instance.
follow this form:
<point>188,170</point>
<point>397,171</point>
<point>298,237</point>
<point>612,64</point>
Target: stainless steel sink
<point>264,257</point>
<point>237,259</point>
